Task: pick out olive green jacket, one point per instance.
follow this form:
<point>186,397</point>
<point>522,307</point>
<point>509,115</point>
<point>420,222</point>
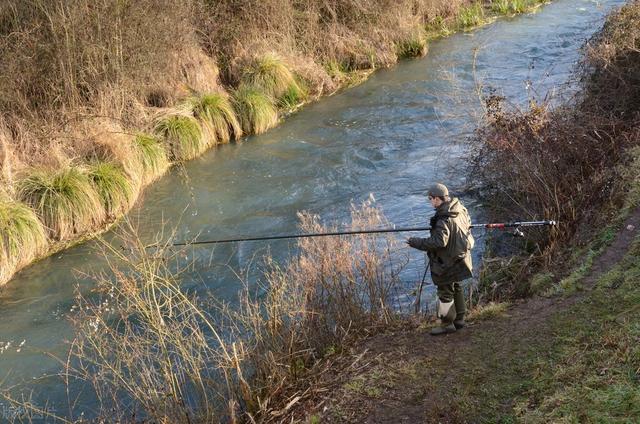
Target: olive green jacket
<point>449,246</point>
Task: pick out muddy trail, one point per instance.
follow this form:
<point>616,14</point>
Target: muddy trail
<point>483,373</point>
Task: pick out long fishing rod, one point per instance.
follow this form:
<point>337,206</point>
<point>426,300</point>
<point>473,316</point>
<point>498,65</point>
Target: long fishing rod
<point>503,225</point>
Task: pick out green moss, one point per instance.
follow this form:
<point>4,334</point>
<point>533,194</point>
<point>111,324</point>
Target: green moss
<point>256,110</point>
<point>113,185</point>
<point>151,155</point>
<point>65,200</point>
<point>183,136</point>
<point>218,117</point>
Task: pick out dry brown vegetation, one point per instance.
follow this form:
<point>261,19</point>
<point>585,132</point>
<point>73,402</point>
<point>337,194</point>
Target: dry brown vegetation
<point>568,163</point>
<point>71,60</point>
<point>83,83</point>
<point>147,349</point>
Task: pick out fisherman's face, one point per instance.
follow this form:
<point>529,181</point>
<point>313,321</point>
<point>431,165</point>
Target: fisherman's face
<point>435,202</point>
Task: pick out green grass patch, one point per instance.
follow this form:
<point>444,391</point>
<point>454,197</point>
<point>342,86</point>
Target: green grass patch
<point>112,183</point>
<point>256,110</point>
<point>596,375</point>
<point>183,136</point>
<point>489,311</point>
<point>293,96</point>
<point>583,262</point>
<point>152,156</point>
<point>541,282</point>
<point>270,74</point>
<point>344,75</point>
<point>438,27</point>
<point>218,117</point>
<point>629,178</point>
<point>65,200</point>
<point>414,46</point>
<point>22,236</point>
<point>471,16</point>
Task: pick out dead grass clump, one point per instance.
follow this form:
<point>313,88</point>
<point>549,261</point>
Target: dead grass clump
<point>357,35</point>
<point>612,68</point>
<point>488,311</point>
<point>146,348</point>
<point>64,53</point>
<point>335,289</point>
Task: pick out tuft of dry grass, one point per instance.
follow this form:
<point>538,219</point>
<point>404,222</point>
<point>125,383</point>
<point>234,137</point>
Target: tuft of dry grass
<point>488,311</point>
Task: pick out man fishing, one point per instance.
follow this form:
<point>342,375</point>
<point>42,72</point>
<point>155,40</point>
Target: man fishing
<point>449,250</point>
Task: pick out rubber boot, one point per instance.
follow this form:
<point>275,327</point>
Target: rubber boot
<point>459,322</point>
<point>458,298</point>
<point>446,313</point>
<point>443,329</point>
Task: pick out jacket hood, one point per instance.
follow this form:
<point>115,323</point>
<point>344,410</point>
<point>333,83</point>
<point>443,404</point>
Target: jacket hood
<point>451,208</point>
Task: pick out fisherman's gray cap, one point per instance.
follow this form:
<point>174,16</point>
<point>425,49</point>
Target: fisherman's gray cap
<point>438,190</point>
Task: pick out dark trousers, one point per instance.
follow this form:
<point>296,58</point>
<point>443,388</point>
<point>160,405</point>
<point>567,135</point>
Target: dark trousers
<point>455,292</point>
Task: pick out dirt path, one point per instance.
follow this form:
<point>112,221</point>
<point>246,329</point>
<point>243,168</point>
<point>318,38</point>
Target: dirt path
<point>472,376</point>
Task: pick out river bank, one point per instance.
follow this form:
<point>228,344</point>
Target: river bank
<point>352,144</point>
<point>85,164</point>
<point>559,341</point>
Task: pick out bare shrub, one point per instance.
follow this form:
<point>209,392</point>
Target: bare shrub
<point>150,350</point>
<point>562,163</point>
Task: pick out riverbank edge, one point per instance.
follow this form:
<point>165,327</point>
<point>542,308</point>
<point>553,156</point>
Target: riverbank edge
<point>567,351</point>
<point>468,19</point>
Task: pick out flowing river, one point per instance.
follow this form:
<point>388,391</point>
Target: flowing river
<point>392,136</point>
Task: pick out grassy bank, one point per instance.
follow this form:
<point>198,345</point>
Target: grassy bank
<point>97,101</point>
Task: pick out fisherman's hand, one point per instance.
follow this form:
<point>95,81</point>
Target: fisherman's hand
<point>414,242</point>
